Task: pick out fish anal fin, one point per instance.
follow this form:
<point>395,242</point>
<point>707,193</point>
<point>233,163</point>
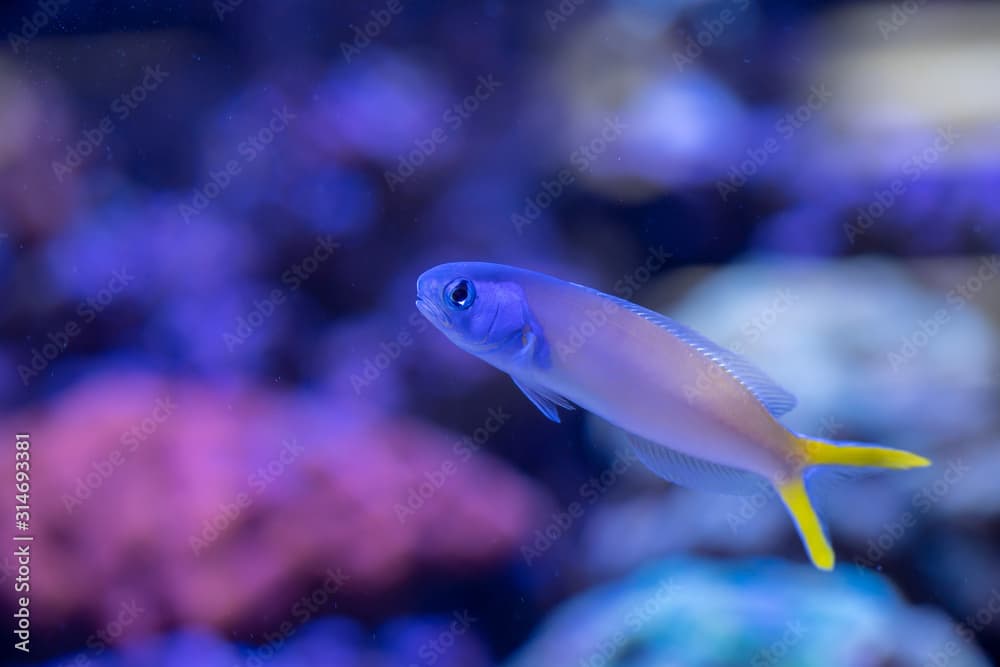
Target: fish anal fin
<point>693,472</point>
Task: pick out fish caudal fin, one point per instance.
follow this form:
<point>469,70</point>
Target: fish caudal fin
<point>793,494</point>
<point>817,452</point>
<point>826,453</point>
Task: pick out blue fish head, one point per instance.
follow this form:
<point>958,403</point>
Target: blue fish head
<point>476,305</point>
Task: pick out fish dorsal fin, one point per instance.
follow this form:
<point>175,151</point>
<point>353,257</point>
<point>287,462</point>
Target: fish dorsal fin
<point>693,472</point>
<point>544,399</point>
<point>775,398</point>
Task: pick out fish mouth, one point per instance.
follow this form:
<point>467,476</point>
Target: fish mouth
<point>433,312</point>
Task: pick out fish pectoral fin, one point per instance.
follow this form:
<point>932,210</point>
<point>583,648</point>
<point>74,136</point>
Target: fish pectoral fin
<point>528,346</point>
<point>693,472</point>
<point>796,499</point>
<point>534,349</point>
<point>544,399</point>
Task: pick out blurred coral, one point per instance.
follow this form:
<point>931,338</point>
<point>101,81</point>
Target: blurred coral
<point>219,506</point>
<point>687,612</point>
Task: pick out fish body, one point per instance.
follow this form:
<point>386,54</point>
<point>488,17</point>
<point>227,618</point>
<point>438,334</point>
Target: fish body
<point>615,360</point>
<point>696,413</point>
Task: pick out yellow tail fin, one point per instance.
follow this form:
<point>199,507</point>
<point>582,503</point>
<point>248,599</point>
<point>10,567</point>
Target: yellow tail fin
<point>793,494</point>
<point>821,452</point>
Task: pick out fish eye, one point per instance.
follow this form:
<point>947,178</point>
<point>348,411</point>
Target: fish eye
<point>460,294</point>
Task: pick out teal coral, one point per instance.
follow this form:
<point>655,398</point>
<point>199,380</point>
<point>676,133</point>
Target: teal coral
<point>690,612</point>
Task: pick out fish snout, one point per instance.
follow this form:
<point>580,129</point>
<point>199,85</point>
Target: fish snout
<point>427,303</point>
<point>433,312</point>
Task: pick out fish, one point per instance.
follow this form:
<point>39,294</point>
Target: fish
<point>694,413</point>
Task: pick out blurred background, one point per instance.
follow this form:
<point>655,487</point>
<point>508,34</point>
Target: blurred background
<point>248,448</point>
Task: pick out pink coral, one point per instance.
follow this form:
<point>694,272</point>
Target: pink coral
<point>207,505</point>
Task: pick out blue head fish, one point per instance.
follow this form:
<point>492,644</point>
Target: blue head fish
<point>695,413</point>
<point>483,311</point>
